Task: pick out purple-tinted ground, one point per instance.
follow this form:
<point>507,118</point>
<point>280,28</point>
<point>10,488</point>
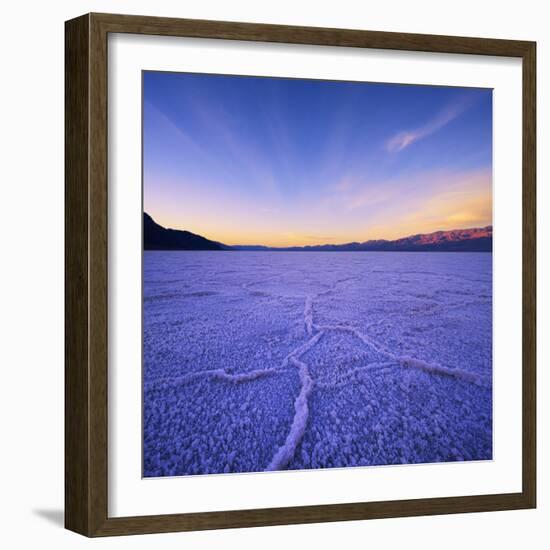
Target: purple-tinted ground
<point>289,360</point>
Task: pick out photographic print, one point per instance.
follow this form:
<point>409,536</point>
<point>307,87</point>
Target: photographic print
<point>317,274</point>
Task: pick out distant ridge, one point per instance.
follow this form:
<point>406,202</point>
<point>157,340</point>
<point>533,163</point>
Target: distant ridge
<point>477,239</point>
<point>156,237</point>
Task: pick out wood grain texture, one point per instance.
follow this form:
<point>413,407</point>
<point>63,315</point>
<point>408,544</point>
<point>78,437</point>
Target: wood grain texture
<point>86,258</point>
<point>529,276</point>
<point>165,26</point>
<point>77,153</point>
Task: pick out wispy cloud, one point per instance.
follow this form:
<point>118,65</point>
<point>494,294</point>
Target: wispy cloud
<point>405,138</point>
<point>412,202</point>
<point>172,132</point>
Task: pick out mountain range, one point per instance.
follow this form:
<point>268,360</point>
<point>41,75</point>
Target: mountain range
<point>156,237</point>
<point>478,239</point>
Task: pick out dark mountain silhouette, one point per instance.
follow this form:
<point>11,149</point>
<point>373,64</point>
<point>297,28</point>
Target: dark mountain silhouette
<point>156,237</point>
<point>477,239</point>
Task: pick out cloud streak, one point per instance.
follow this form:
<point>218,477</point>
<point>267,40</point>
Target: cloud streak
<point>412,203</point>
<point>405,138</point>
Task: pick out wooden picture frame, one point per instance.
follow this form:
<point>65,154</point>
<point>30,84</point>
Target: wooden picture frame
<point>86,359</point>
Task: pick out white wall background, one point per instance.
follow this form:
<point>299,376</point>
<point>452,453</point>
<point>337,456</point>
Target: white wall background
<point>31,288</point>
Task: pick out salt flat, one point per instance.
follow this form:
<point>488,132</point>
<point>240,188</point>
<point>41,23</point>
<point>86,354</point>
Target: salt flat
<point>258,361</point>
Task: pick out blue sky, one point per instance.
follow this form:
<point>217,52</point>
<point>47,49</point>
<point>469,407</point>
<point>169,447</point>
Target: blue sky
<point>252,160</point>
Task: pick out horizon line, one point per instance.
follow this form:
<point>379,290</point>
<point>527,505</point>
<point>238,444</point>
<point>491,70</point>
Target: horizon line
<point>490,226</point>
<point>471,228</point>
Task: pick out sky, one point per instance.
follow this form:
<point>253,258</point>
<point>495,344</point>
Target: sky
<point>294,162</point>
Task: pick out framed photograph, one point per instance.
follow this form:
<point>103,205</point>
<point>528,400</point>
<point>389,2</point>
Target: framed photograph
<point>300,275</point>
